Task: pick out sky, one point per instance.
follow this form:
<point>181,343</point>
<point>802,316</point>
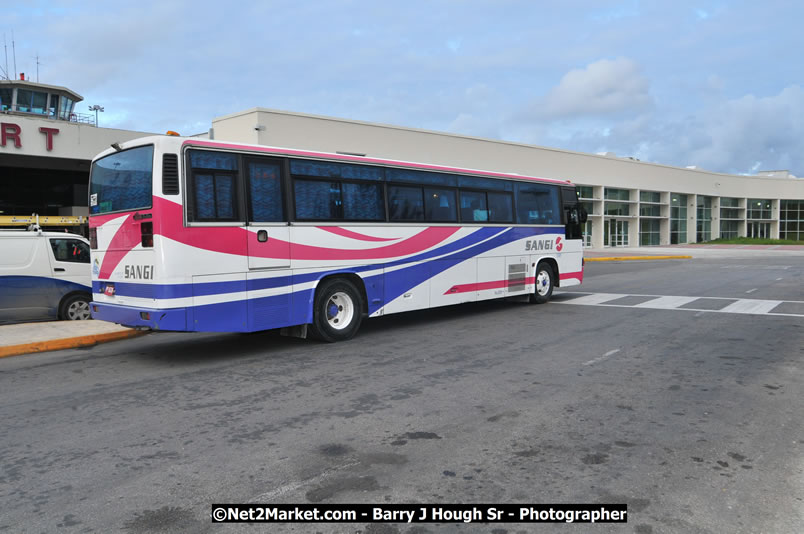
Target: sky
<point>715,84</point>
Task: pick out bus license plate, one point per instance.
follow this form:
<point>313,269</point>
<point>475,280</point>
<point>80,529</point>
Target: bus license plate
<point>109,290</point>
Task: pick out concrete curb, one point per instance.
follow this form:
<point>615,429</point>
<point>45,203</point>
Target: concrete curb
<point>634,258</point>
<point>68,343</point>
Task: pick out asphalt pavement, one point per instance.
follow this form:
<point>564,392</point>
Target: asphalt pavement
<point>35,337</point>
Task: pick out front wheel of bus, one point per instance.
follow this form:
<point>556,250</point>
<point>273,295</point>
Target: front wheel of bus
<point>337,312</point>
<point>545,282</point>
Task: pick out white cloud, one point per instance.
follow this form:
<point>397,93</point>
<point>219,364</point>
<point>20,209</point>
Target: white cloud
<point>730,137</point>
<point>604,87</point>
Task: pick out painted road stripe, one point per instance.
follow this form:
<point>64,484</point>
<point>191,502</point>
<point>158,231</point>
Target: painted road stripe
<point>666,302</point>
<point>601,358</point>
<point>751,306</point>
<point>596,298</point>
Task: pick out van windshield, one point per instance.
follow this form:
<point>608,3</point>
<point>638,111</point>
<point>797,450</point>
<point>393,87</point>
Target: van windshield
<point>122,181</point>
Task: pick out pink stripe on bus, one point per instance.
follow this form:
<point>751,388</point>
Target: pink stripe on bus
<point>343,232</point>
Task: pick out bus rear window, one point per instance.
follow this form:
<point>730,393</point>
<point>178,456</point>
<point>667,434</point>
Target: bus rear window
<point>122,181</point>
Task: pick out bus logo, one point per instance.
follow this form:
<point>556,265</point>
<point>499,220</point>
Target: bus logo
<point>540,244</point>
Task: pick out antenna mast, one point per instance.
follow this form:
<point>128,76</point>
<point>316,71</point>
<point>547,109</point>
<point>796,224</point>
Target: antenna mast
<point>5,47</point>
<point>14,53</point>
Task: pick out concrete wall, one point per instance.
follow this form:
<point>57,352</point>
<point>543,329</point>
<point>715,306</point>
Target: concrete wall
<point>73,140</point>
<point>296,130</point>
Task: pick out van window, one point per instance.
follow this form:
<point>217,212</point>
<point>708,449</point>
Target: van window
<point>71,250</point>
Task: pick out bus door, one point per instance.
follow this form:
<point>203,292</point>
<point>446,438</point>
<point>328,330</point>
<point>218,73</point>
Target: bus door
<point>269,234</point>
<point>269,278</point>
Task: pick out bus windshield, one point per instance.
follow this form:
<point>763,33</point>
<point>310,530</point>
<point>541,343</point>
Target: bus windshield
<point>122,181</point>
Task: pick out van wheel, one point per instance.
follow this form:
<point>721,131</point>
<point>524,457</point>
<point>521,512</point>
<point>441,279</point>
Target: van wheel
<point>545,282</point>
<point>75,308</point>
<point>337,311</point>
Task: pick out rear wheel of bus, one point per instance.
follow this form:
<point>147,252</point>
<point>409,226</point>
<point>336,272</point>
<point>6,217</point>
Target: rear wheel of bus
<point>545,282</point>
<point>337,311</point>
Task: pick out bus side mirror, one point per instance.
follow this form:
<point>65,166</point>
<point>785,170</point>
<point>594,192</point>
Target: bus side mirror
<point>582,215</point>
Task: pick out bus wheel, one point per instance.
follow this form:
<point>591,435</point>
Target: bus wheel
<point>75,308</point>
<point>545,282</point>
<point>337,311</point>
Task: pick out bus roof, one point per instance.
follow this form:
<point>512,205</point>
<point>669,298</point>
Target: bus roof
<point>278,151</point>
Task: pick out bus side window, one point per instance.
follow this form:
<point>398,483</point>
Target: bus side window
<point>537,204</point>
<point>405,203</point>
<point>473,207</point>
<point>265,191</point>
<point>213,181</point>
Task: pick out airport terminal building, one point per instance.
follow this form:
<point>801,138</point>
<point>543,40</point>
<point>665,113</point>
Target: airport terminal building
<point>46,149</point>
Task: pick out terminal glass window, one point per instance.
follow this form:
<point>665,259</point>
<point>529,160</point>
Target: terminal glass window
<point>650,196</point>
<point>704,228</point>
<point>650,210</point>
<point>617,194</point>
<point>649,232</point>
<point>729,209</point>
<point>791,225</point>
<point>678,218</point>
<point>586,191</point>
<point>759,208</point>
<point>729,229</point>
<point>617,209</point>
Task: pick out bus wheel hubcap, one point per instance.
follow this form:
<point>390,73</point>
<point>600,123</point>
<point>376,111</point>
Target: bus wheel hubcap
<point>542,282</point>
<point>340,310</point>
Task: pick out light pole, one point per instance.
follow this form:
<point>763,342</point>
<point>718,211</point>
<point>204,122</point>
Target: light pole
<point>96,108</point>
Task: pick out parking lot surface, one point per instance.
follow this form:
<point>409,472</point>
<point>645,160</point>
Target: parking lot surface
<point>689,411</point>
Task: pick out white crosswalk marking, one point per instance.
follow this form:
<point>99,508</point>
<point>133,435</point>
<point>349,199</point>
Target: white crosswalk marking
<point>751,306</point>
<point>596,298</point>
<point>667,302</point>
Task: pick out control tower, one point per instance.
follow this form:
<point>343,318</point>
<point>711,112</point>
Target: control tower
<point>46,147</point>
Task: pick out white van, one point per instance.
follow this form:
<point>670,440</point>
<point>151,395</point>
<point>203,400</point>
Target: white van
<point>44,275</point>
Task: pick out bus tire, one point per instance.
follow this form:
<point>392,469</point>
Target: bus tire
<point>75,308</point>
<point>545,282</point>
<point>337,311</point>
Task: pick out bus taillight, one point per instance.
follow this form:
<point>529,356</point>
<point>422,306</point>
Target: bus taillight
<point>93,238</point>
<point>147,231</point>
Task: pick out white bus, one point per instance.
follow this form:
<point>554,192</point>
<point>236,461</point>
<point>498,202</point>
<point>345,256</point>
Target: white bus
<point>196,235</point>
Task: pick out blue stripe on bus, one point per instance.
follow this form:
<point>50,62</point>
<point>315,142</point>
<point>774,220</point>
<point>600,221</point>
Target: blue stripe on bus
<point>267,312</point>
<point>184,290</point>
